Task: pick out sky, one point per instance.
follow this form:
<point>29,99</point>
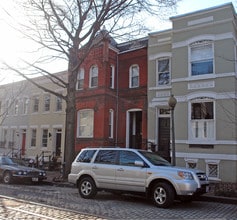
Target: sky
<point>12,47</point>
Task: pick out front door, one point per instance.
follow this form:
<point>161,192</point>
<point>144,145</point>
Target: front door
<point>164,138</point>
<point>58,142</point>
<point>135,129</point>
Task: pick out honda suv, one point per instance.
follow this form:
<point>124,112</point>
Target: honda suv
<point>135,171</point>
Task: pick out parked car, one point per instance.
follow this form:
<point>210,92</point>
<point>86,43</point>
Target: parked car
<point>10,171</point>
<point>135,171</point>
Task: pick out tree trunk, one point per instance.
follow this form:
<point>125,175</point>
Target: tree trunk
<point>70,124</point>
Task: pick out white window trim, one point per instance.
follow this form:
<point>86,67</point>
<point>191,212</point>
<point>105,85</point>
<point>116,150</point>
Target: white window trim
<point>78,124</point>
<point>90,78</point>
<point>157,72</point>
<point>81,71</point>
<point>111,119</point>
<point>214,162</point>
<point>191,160</point>
<point>201,141</point>
<point>130,76</point>
<point>112,73</point>
<point>189,59</point>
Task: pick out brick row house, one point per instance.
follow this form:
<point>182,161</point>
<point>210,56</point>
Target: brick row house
<point>112,95</point>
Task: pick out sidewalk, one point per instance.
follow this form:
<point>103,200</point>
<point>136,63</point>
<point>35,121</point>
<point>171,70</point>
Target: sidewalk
<point>55,178</point>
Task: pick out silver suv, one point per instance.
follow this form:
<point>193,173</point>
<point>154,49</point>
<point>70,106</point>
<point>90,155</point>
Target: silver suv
<point>135,171</point>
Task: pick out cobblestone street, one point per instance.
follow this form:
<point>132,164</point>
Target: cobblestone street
<point>109,206</point>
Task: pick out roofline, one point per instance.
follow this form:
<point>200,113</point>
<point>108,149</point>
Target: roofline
<point>206,10</point>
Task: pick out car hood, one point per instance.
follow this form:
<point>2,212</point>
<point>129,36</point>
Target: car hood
<point>23,168</point>
<point>176,168</point>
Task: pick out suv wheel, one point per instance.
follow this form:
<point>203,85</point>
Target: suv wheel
<point>87,188</point>
<point>163,195</point>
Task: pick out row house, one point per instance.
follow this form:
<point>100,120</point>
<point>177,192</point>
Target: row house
<point>32,121</point>
<point>196,62</point>
<point>112,95</point>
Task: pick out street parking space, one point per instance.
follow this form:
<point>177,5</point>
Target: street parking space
<point>110,206</point>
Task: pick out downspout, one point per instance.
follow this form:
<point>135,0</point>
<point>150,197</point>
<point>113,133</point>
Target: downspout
<point>117,104</point>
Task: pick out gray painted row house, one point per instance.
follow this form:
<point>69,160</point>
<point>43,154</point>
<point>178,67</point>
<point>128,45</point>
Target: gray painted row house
<point>196,62</point>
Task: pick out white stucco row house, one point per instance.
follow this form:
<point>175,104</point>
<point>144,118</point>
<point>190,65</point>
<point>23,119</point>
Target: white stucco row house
<point>32,121</point>
<point>196,62</point>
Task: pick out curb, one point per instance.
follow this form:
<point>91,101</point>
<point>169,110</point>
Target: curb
<point>204,198</point>
<point>219,199</point>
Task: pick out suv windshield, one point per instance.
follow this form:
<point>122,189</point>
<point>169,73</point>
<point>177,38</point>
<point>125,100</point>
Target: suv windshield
<point>155,159</point>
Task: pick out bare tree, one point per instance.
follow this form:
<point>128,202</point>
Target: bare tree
<point>67,30</point>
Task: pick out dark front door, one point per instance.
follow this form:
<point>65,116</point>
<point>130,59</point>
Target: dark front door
<point>58,142</point>
<point>135,129</point>
<point>164,138</point>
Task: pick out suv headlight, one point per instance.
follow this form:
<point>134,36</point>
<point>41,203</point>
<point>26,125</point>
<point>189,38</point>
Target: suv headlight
<point>185,175</point>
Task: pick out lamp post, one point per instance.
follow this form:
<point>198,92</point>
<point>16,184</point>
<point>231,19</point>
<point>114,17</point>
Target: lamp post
<point>172,103</point>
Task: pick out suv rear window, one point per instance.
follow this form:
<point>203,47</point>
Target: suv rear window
<point>86,156</point>
<point>106,157</point>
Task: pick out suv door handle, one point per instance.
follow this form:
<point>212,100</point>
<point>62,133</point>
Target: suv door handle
<point>94,168</point>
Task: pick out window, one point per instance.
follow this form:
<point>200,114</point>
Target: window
<point>85,123</point>
<point>58,104</point>
<point>35,103</point>
<point>111,82</point>
<point>47,103</point>
<point>111,123</point>
<point>106,157</point>
<point>25,105</point>
<point>201,58</point>
<point>80,79</point>
<point>191,163</point>
<point>202,120</point>
<point>127,158</point>
<point>33,138</point>
<point>163,67</point>
<point>44,137</point>
<point>86,156</point>
<point>16,109</point>
<point>93,76</point>
<point>134,76</point>
<point>213,169</point>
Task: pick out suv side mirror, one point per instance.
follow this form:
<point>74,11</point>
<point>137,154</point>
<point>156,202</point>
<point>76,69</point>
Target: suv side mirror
<point>139,163</point>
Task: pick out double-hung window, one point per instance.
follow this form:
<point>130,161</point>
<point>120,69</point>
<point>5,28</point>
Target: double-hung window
<point>111,123</point>
<point>134,76</point>
<point>85,123</point>
<point>93,76</point>
<point>80,79</point>
<point>163,67</point>
<point>111,80</point>
<point>201,58</point>
<point>44,137</point>
<point>33,137</point>
<point>46,102</point>
<point>35,103</point>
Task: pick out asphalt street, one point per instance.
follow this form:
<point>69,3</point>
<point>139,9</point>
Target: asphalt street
<point>110,206</point>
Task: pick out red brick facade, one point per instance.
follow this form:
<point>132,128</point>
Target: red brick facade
<point>129,105</point>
